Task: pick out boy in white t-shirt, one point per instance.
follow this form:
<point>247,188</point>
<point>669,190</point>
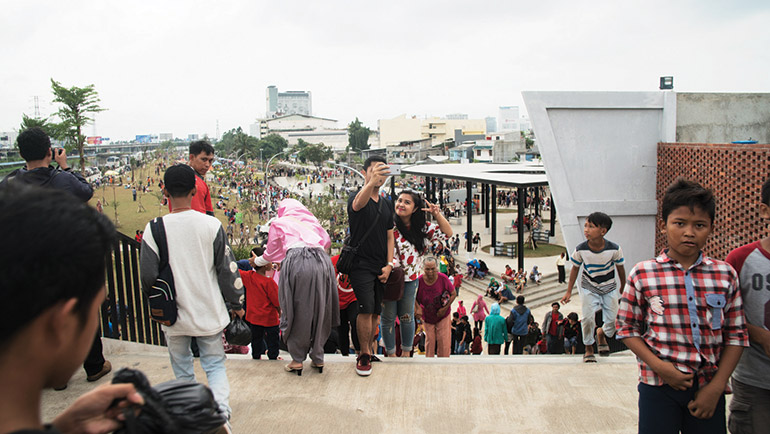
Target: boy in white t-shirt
<point>599,258</point>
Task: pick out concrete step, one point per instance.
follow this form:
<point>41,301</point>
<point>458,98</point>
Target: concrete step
<point>536,295</point>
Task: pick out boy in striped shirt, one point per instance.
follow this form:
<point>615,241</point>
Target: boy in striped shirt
<point>682,316</point>
<point>599,258</point>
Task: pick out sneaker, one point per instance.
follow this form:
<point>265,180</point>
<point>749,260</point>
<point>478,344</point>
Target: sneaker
<point>106,368</point>
<point>364,365</point>
<point>375,358</point>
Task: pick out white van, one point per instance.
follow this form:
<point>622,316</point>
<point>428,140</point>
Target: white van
<point>113,162</point>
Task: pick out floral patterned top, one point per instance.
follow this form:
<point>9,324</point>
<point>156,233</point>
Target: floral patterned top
<point>406,255</point>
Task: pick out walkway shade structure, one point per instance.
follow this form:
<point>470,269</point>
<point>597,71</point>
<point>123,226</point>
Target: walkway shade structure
<point>516,175</point>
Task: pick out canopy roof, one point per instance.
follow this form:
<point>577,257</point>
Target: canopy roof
<point>527,174</point>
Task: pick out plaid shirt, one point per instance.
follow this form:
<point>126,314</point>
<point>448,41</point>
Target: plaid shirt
<point>686,317</point>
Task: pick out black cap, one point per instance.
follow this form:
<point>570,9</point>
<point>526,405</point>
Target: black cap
<point>179,179</point>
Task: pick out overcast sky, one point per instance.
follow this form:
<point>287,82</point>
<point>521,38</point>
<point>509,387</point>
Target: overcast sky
<point>179,66</point>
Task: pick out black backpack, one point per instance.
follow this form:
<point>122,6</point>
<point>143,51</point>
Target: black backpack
<point>162,294</point>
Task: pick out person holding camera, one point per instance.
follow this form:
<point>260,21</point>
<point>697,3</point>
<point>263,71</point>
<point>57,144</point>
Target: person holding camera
<point>35,148</point>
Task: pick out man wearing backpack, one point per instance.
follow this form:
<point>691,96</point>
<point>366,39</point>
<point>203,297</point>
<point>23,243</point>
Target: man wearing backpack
<point>518,324</point>
<point>204,273</point>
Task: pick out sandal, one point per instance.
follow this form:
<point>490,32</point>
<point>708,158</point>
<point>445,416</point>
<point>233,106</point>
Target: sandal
<point>589,358</point>
<point>604,350</point>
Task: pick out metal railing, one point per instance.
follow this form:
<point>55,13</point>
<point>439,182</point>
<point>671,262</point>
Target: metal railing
<point>125,315</point>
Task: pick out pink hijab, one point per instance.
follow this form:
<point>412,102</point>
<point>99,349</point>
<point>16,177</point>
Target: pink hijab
<point>294,227</point>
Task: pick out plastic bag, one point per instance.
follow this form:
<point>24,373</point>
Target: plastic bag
<point>238,332</point>
<point>176,406</point>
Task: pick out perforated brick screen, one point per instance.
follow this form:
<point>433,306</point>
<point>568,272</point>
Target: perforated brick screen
<point>735,173</point>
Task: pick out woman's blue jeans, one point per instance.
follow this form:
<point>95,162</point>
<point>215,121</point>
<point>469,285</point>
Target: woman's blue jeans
<point>404,309</point>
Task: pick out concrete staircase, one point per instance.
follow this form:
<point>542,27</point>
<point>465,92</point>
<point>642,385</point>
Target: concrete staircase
<point>546,293</point>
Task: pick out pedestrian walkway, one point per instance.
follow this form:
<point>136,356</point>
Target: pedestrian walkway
<point>461,394</point>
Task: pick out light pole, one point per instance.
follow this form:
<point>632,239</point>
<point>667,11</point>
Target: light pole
<point>267,189</point>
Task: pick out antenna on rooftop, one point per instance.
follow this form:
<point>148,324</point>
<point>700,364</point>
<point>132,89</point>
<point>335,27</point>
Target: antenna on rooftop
<point>37,108</point>
<point>217,136</point>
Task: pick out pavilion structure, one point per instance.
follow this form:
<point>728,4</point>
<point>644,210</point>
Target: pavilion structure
<point>520,176</point>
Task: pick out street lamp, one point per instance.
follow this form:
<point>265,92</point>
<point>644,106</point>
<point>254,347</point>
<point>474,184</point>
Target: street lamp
<point>267,196</point>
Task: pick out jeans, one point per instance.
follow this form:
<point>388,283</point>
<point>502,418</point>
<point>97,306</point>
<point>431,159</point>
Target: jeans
<point>404,308</point>
<point>460,348</point>
<point>608,304</point>
<point>212,361</point>
<point>664,410</point>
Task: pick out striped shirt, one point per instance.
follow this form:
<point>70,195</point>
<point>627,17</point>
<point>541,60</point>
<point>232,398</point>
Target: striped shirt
<point>598,267</point>
<point>686,317</point>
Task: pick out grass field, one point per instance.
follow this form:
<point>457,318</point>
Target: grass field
<point>131,217</point>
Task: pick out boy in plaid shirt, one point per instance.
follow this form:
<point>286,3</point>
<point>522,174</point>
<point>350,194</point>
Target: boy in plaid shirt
<point>681,314</point>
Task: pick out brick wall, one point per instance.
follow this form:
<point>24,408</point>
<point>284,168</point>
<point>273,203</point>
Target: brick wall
<point>735,173</point>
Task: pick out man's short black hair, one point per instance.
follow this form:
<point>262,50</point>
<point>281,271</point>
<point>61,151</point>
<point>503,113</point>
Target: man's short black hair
<point>766,192</point>
<point>520,299</point>
<point>573,316</point>
<point>199,146</point>
<point>555,303</point>
<point>259,251</point>
<point>600,219</point>
<point>33,144</point>
<point>55,250</point>
<point>690,194</point>
<point>373,159</point>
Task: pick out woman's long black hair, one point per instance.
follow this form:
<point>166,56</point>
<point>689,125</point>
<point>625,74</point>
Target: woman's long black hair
<point>416,232</point>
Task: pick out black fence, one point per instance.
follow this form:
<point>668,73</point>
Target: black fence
<point>125,314</point>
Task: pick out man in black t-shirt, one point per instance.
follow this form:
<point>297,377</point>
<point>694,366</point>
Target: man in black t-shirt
<point>375,254</point>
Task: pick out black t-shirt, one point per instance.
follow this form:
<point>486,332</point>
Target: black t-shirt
<point>372,253</point>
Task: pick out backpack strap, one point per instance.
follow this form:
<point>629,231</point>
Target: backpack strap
<point>159,235</point>
<point>376,219</point>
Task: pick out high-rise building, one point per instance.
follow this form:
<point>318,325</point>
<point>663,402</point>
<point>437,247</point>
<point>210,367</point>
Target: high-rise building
<point>508,119</point>
<point>491,124</point>
<point>287,103</point>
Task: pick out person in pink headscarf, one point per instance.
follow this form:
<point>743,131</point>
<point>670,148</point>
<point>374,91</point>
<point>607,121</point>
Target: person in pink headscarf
<point>461,309</point>
<point>479,310</point>
<point>307,289</point>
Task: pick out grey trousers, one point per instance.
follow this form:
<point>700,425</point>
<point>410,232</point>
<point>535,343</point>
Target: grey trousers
<point>307,292</point>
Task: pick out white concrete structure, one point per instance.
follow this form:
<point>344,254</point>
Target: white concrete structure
<point>599,150</point>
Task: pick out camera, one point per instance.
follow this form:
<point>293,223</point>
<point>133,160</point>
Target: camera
<point>56,151</point>
<point>395,169</point>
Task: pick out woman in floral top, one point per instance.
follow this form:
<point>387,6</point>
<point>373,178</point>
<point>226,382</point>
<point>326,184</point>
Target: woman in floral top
<point>413,239</point>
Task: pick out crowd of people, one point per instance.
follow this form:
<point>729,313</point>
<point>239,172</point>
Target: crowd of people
<point>687,317</point>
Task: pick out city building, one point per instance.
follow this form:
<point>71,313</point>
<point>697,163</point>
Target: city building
<point>286,103</point>
<point>457,116</point>
<point>311,129</point>
<point>438,130</point>
<point>491,124</point>
<point>508,119</point>
<point>8,139</point>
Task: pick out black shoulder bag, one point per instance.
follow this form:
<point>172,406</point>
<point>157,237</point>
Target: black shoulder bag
<point>348,254</point>
<point>162,295</point>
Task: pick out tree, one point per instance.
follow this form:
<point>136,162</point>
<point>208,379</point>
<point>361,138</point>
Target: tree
<point>358,136</point>
<point>51,128</point>
<point>315,153</point>
<point>236,141</point>
<point>78,106</point>
<point>272,144</point>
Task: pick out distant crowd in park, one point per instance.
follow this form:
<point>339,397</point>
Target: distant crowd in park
<point>697,325</point>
